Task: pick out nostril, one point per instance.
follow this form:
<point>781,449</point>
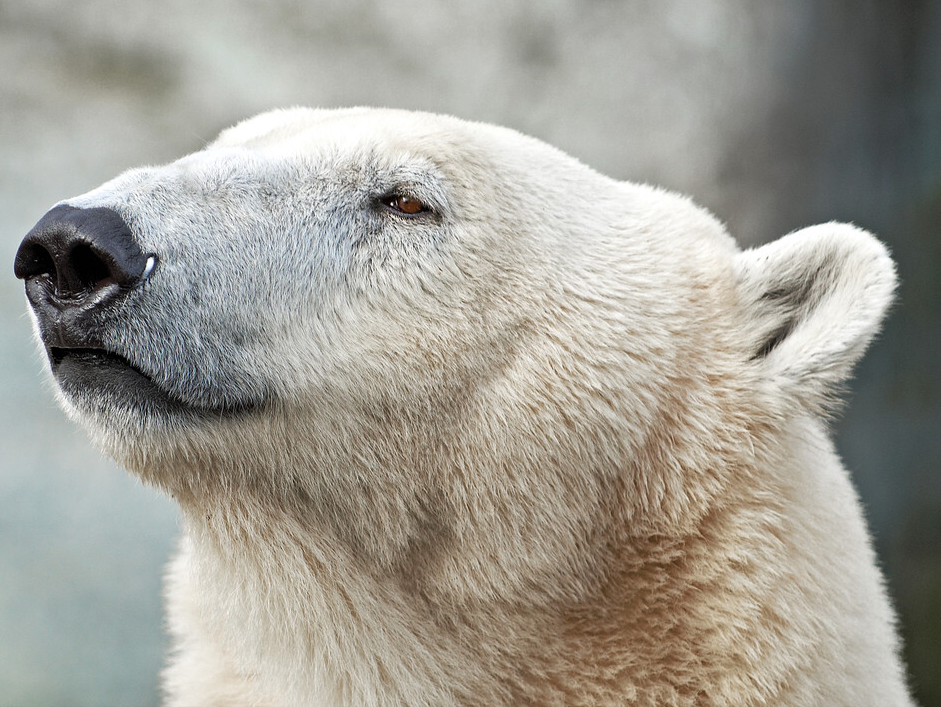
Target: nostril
<point>33,260</point>
<point>87,268</point>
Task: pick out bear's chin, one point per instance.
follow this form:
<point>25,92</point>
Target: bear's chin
<point>94,380</point>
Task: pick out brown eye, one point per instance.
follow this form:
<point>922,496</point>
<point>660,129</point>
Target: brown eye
<point>405,204</point>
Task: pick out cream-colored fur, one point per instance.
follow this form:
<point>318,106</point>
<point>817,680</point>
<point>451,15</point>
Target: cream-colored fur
<point>555,441</point>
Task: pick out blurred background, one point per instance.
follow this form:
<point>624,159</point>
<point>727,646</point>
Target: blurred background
<point>773,115</point>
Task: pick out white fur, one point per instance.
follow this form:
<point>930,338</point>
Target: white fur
<point>556,443</point>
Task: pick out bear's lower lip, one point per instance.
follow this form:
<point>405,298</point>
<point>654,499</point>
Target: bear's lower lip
<point>84,373</point>
<point>88,357</point>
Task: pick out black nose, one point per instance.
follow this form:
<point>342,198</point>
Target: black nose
<point>76,255</point>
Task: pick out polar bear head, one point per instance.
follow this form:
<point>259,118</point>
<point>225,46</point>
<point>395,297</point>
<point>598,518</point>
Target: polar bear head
<point>431,333</point>
<point>454,419</point>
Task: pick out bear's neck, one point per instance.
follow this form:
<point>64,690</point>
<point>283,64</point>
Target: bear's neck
<point>384,578</point>
<point>293,605</point>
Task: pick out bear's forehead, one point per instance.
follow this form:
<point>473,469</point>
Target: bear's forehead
<point>380,135</point>
<point>348,131</point>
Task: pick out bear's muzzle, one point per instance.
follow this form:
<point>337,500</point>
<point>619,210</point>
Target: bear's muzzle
<point>78,264</point>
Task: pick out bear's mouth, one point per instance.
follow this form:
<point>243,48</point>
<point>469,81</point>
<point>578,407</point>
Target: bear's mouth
<point>81,372</point>
<point>84,373</point>
<point>89,357</point>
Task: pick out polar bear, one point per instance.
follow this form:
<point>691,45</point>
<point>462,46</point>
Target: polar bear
<point>453,419</point>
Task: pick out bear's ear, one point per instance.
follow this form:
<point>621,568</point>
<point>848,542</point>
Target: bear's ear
<point>814,300</point>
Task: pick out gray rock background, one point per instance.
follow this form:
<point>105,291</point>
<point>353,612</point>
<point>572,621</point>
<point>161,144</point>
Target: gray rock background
<point>774,115</point>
